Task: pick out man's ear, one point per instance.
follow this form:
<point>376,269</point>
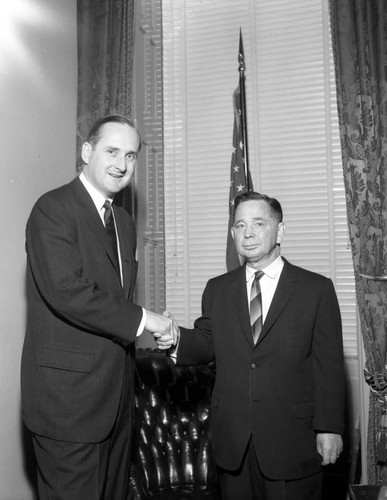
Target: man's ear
<point>232,233</point>
<point>86,151</point>
<point>280,233</point>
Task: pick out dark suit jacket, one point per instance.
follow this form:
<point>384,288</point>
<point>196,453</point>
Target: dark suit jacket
<point>81,323</point>
<point>284,389</point>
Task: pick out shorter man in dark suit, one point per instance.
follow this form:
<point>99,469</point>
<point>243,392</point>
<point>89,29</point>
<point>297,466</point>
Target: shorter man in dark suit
<point>274,330</point>
<point>77,371</point>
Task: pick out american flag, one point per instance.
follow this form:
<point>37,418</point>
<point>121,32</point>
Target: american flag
<point>240,179</point>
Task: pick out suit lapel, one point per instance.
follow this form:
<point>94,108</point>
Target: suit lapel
<point>90,214</point>
<point>241,302</point>
<point>284,291</point>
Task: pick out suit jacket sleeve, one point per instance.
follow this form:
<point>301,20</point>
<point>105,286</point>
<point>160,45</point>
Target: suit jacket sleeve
<point>328,366</point>
<point>196,345</point>
<point>72,273</point>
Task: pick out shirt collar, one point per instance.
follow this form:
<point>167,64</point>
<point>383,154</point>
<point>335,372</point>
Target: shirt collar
<point>271,270</point>
<point>96,196</point>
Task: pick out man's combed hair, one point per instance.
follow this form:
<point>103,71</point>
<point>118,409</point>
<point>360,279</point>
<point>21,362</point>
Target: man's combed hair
<point>252,195</point>
<point>95,131</point>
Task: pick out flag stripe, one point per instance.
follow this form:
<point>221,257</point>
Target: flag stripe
<point>240,179</point>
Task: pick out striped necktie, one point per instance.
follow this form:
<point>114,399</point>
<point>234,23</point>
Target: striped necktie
<point>256,306</point>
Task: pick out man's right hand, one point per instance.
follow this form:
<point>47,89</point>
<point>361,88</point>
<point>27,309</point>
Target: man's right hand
<point>163,328</point>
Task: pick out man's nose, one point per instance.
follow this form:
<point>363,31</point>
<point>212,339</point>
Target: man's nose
<point>249,232</point>
<point>121,164</point>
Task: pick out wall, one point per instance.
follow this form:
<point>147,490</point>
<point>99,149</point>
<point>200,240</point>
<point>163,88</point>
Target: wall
<point>38,115</point>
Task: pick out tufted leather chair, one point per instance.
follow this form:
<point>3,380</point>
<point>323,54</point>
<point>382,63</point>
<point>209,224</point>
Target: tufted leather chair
<point>171,452</point>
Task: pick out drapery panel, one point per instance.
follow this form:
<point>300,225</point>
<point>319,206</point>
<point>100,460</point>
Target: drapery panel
<point>105,65</point>
<point>359,30</point>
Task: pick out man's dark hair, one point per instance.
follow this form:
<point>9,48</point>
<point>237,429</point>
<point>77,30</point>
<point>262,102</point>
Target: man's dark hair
<point>252,195</point>
<point>95,131</point>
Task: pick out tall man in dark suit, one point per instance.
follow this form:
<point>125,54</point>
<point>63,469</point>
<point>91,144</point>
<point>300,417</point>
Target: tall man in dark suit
<point>78,354</point>
<point>277,405</point>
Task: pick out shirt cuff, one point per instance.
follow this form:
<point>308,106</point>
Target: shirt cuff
<point>142,324</point>
<point>172,352</point>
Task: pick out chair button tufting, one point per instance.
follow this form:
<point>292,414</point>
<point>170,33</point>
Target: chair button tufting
<point>171,455</point>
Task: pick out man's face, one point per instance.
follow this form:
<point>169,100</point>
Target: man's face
<point>109,164</point>
<point>257,233</point>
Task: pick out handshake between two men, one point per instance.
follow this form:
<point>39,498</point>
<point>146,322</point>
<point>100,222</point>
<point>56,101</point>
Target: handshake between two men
<point>164,329</point>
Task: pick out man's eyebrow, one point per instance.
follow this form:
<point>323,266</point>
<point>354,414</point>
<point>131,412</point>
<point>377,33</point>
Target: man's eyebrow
<point>115,149</point>
<point>252,218</point>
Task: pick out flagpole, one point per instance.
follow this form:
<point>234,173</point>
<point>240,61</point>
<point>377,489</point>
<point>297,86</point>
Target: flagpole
<point>240,178</point>
<point>241,69</point>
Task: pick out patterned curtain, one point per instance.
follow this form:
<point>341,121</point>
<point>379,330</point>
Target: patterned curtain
<point>359,32</point>
<point>105,65</point>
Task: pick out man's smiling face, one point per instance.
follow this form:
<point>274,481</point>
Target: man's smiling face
<point>109,163</point>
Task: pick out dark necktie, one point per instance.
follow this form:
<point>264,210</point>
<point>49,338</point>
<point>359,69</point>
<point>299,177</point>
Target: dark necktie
<point>256,306</point>
<point>110,227</point>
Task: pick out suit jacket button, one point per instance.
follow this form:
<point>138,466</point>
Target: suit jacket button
<point>253,365</point>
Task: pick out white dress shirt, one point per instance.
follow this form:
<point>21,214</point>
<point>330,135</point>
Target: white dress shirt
<point>268,283</point>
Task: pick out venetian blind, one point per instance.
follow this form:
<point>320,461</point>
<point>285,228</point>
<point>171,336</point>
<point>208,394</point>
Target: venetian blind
<point>293,140</point>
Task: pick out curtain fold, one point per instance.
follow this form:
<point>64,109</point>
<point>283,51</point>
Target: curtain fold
<point>359,33</point>
<point>105,66</point>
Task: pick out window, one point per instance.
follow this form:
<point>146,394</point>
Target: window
<point>294,146</point>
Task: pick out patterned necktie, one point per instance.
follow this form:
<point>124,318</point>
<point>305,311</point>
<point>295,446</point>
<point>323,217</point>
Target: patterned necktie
<point>110,227</point>
<point>256,306</point>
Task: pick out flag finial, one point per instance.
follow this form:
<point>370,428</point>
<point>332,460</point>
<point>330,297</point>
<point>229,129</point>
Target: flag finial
<point>241,55</point>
